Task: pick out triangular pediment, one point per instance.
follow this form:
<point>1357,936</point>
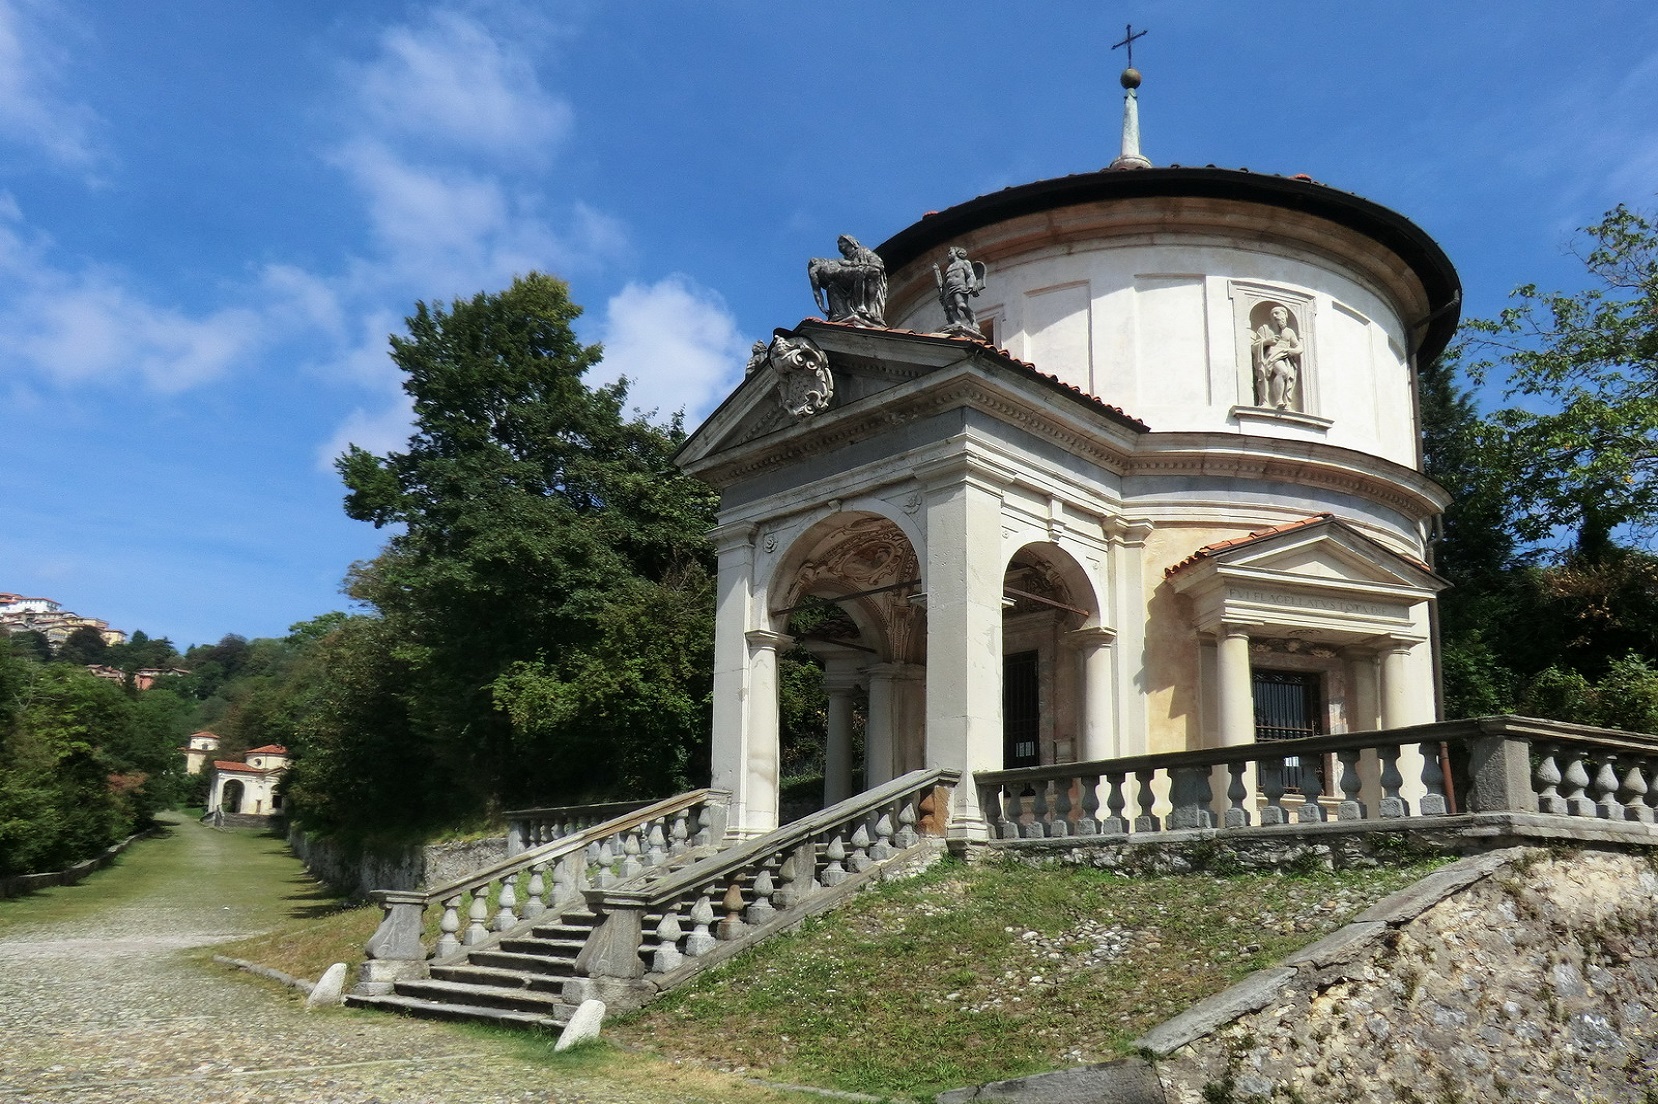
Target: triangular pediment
<point>1331,552</point>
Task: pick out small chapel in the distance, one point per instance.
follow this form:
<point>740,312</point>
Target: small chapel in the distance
<point>1119,463</point>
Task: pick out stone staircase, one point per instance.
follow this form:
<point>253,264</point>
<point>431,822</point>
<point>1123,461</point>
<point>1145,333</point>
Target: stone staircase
<point>636,908</point>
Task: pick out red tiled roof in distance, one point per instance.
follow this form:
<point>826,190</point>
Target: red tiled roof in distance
<point>231,766</point>
<point>1218,547</point>
<point>269,749</point>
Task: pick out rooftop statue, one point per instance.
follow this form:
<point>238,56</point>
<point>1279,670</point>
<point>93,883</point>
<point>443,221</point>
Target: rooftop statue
<point>852,289</point>
<point>958,282</point>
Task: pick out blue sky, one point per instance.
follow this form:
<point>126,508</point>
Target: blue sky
<point>212,215</point>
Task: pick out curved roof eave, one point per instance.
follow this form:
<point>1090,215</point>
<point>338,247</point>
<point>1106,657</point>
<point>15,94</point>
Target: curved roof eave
<point>1387,227</point>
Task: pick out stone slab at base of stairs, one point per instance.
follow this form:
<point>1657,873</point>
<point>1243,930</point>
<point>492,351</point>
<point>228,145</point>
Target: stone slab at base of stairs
<point>1130,1081</point>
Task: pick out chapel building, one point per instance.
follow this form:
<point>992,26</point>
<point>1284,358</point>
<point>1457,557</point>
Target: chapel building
<point>1159,489</point>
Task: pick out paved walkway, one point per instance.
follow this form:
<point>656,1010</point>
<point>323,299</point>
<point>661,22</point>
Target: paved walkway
<point>99,1003</point>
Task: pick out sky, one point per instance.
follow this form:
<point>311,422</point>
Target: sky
<point>213,215</point>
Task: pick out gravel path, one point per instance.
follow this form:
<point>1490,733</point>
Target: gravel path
<point>107,1008</point>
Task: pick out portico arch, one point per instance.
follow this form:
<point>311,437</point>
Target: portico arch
<point>1057,687</point>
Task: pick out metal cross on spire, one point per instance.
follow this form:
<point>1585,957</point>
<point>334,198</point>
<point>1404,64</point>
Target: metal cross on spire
<point>1128,40</point>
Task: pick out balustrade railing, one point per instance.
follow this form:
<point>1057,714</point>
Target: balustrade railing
<point>1489,764</point>
<point>527,828</point>
<point>545,878</point>
<point>685,917</point>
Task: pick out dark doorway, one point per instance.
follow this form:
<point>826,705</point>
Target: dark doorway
<point>1021,711</point>
<point>1288,706</point>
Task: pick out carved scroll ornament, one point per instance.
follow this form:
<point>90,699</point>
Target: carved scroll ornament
<point>805,385</point>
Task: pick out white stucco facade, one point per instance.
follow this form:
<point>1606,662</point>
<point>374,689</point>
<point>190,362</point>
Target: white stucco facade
<point>1112,509</point>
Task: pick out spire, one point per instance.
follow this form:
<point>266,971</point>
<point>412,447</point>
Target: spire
<point>1131,157</point>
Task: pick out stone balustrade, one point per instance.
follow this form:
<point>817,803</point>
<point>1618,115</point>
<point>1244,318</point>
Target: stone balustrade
<point>542,879</point>
<point>652,934</point>
<point>527,828</point>
<point>1484,765</point>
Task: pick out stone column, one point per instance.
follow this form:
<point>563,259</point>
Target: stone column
<point>1399,710</point>
<point>734,545</point>
<point>1099,706</point>
<point>1236,700</point>
<point>840,679</point>
<point>964,627</point>
<point>760,771</point>
<point>1367,706</point>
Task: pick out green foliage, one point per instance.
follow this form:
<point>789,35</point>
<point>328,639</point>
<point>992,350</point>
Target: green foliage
<point>543,615</point>
<point>83,646</point>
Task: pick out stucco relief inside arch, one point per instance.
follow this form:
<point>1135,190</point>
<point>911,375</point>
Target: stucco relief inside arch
<point>855,555</point>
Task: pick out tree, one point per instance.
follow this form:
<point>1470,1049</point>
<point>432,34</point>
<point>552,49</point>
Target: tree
<point>538,522</point>
<point>86,645</point>
<point>1583,450</point>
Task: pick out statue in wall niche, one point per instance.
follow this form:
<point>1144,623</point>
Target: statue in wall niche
<point>1277,355</point>
<point>958,282</point>
<point>804,383</point>
<point>852,288</point>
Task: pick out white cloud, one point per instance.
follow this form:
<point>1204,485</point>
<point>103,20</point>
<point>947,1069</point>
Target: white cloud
<point>381,431</point>
<point>449,80</point>
<point>31,110</point>
<point>677,344</point>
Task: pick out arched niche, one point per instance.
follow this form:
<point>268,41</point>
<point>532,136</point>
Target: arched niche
<point>230,799</point>
<point>1050,622</point>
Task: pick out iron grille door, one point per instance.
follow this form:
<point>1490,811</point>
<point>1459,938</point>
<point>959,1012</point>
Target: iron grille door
<point>1021,711</point>
<point>1289,705</point>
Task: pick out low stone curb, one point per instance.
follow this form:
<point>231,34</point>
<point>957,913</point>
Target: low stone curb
<point>266,972</point>
<point>20,884</point>
<point>1129,1081</point>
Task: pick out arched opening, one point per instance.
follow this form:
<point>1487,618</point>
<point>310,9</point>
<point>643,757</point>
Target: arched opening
<point>230,799</point>
<point>1048,600</point>
<point>851,695</point>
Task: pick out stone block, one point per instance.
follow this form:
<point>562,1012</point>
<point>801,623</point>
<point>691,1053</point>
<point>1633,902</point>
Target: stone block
<point>1341,945</point>
<point>329,989</point>
<point>1414,900</point>
<point>1249,995</point>
<point>583,1026</point>
<point>1130,1081</point>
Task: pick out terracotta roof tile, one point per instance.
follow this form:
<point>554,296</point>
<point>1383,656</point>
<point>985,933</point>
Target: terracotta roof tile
<point>269,749</point>
<point>1210,550</point>
<point>233,767</point>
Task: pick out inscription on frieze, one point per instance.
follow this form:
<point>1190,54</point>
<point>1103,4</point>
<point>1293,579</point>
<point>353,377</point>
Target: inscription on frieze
<point>1286,600</point>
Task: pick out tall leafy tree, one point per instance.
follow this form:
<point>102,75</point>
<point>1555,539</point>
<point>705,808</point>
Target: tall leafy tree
<point>534,520</point>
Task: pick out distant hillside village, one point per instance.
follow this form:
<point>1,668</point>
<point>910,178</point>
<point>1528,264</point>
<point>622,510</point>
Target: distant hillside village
<point>46,616</point>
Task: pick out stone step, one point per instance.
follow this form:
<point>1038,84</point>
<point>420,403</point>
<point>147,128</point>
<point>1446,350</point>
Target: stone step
<point>549,965</point>
<point>534,945</point>
<point>500,979</point>
<point>482,996</point>
<point>441,1010</point>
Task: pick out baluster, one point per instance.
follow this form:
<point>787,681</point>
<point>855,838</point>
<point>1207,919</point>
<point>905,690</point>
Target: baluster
<point>1351,808</point>
<point>594,851</point>
<point>476,914</point>
<point>448,942</point>
<point>860,849</point>
<point>699,942</point>
<point>1189,798</point>
<point>1433,781</point>
<point>1649,767</point>
<point>1311,812</point>
<point>1635,785</point>
<point>631,866</point>
<point>906,837</point>
<point>668,935</point>
<point>1270,774</point>
<point>678,835</point>
<point>705,827</point>
<point>1237,815</point>
<point>732,927</point>
<point>1012,810</point>
<point>1607,805</point>
<point>1060,826</point>
<point>1038,826</point>
<point>1547,779</point>
<point>1088,821</point>
<point>658,853</point>
<point>1392,805</point>
<point>834,874</point>
<point>761,910</point>
<point>565,882</point>
<point>1115,801</point>
<point>534,904</point>
<point>506,914</point>
<point>607,863</point>
<point>1576,778</point>
<point>1146,821</point>
<point>881,850</point>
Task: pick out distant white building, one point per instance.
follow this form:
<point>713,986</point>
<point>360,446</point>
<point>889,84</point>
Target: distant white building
<point>196,750</point>
<point>249,789</point>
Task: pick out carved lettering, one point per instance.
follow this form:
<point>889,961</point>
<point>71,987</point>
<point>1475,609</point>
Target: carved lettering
<point>1286,600</point>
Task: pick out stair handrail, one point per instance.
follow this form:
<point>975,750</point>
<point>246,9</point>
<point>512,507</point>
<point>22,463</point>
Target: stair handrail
<point>611,963</point>
<point>398,945</point>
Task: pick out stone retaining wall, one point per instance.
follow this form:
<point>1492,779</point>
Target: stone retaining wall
<point>358,873</point>
<point>20,884</point>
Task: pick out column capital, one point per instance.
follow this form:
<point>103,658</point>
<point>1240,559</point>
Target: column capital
<point>1091,638</point>
<point>1126,531</point>
<point>1400,645</point>
<point>732,535</point>
<point>1234,629</point>
<point>764,639</point>
<point>964,468</point>
<point>896,671</point>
